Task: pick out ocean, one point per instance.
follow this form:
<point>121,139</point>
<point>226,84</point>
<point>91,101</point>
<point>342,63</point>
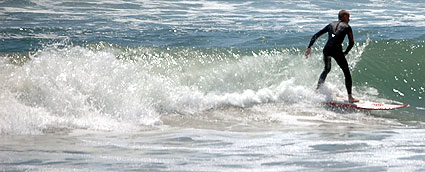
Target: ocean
<point>207,85</point>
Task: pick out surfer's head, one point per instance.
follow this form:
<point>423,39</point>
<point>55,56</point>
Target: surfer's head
<point>344,16</point>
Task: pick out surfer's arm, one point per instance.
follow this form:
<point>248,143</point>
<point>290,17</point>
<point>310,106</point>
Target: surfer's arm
<point>317,35</point>
<point>313,39</point>
<point>350,41</point>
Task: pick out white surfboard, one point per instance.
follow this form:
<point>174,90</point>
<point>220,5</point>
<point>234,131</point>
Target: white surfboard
<point>364,105</point>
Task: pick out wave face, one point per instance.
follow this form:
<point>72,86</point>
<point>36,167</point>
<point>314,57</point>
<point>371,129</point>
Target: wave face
<point>104,86</point>
<point>395,68</point>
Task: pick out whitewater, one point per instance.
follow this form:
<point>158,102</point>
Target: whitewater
<point>206,86</point>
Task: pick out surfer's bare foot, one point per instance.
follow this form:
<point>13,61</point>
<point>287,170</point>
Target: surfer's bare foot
<point>351,99</point>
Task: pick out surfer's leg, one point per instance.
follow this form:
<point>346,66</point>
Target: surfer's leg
<point>342,62</point>
<point>326,70</point>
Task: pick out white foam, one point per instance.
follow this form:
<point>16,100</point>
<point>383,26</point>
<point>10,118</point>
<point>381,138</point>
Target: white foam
<point>189,101</point>
<point>75,88</point>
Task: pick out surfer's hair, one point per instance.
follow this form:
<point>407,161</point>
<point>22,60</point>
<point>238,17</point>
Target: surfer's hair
<point>342,14</point>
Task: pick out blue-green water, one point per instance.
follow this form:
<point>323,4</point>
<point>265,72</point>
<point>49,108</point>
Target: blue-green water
<point>206,86</point>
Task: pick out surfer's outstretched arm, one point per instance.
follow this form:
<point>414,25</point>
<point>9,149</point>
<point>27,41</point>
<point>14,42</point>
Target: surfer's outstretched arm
<point>313,39</point>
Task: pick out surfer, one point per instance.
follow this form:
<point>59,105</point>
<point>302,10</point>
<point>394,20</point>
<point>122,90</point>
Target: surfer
<point>333,48</point>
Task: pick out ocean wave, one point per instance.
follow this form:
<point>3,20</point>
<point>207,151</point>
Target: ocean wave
<point>105,86</point>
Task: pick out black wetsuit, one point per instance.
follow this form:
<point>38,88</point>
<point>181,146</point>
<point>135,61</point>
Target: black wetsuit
<point>333,48</point>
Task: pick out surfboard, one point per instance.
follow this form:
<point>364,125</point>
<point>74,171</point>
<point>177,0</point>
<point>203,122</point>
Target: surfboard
<point>364,105</point>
